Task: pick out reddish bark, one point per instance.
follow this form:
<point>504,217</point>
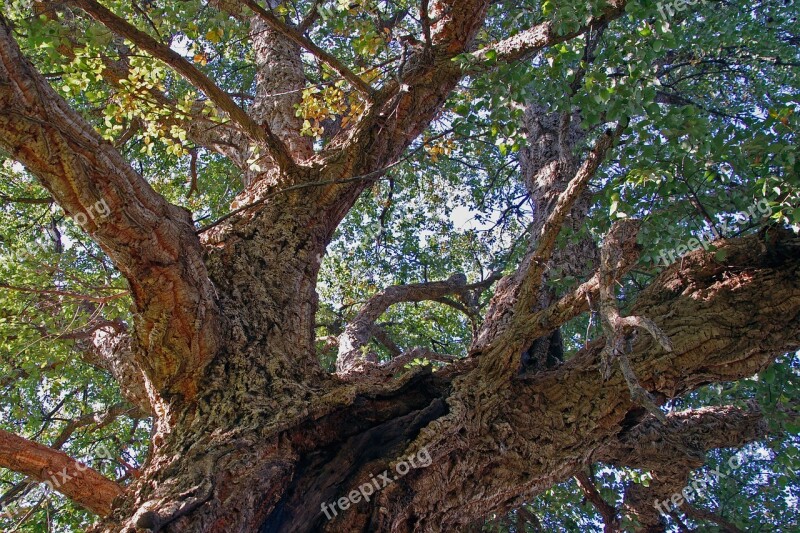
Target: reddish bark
<point>76,481</point>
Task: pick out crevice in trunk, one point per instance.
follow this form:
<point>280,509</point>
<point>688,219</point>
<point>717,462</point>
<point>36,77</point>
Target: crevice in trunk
<point>322,475</point>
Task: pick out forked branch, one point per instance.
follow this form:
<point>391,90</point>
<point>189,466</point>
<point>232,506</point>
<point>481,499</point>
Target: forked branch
<point>536,264</point>
<point>616,328</point>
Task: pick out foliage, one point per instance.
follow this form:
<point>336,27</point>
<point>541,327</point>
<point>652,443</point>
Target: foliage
<point>711,94</point>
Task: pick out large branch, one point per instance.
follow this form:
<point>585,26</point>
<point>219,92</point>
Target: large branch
<point>76,481</point>
<point>607,511</point>
<point>359,331</point>
<point>258,132</point>
<point>546,241</point>
<point>670,451</point>
<point>151,241</point>
<point>727,321</point>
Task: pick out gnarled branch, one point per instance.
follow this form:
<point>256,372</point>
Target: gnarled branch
<point>359,331</point>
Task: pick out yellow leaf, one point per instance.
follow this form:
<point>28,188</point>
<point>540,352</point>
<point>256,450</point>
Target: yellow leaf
<point>214,35</point>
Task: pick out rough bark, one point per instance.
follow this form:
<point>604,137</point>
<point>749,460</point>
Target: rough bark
<point>671,451</point>
<point>81,484</point>
<point>151,241</point>
<point>252,435</point>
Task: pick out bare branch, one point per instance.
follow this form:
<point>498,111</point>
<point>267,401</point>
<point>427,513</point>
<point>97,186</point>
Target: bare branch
<point>417,353</point>
<point>698,514</point>
<point>76,481</point>
<point>621,237</point>
<point>66,294</point>
<point>98,420</point>
<point>311,17</point>
<point>426,22</point>
<point>359,331</point>
<point>383,337</point>
<point>30,201</point>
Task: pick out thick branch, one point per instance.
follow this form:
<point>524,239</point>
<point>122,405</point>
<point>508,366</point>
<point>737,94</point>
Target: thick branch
<point>652,445</point>
<point>727,321</point>
<point>150,241</point>
<point>359,331</point>
<point>76,481</point>
<point>111,350</point>
<point>519,295</point>
<point>671,450</point>
<point>545,242</point>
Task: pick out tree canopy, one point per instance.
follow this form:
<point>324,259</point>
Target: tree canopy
<point>698,104</point>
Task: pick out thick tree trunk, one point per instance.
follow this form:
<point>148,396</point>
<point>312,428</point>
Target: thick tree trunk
<point>268,442</point>
<point>251,434</point>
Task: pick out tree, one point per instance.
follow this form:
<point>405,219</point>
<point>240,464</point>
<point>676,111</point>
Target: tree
<point>253,299</point>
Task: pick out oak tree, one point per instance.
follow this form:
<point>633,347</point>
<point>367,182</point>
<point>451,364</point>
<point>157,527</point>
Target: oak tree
<point>409,265</point>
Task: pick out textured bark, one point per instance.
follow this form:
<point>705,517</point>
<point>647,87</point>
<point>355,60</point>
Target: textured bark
<point>252,435</point>
<point>81,484</point>
<point>494,440</point>
<point>151,241</point>
<point>672,450</point>
<point>111,350</point>
<point>280,81</point>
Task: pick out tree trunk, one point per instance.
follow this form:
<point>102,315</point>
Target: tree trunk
<point>268,441</point>
<point>251,434</point>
